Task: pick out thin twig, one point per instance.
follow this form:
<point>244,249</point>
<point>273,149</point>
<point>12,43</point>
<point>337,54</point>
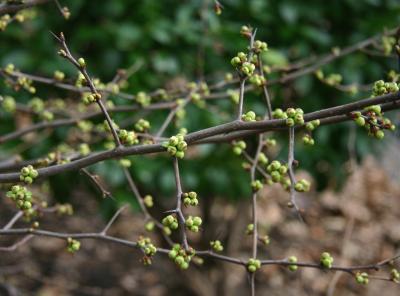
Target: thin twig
<point>18,244</point>
<point>291,173</point>
<point>113,218</point>
<point>171,116</point>
<point>14,220</point>
<point>178,209</point>
<point>142,206</point>
<point>82,68</point>
<point>96,182</point>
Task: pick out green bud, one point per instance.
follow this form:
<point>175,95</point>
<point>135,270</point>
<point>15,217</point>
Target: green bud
<point>360,121</point>
<point>293,267</point>
<point>379,135</point>
<point>149,226</point>
<point>290,122</point>
<point>81,62</point>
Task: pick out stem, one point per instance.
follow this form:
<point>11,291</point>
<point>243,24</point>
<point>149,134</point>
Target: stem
<point>265,89</point>
<point>92,87</point>
<point>241,98</point>
<point>143,207</point>
<point>327,116</point>
<point>178,209</point>
<point>291,173</point>
<point>112,220</point>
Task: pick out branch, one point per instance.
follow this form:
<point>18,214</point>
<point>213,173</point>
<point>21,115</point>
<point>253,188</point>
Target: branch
<point>96,182</point>
<point>349,269</point>
<point>291,173</point>
<point>332,115</point>
<point>64,52</point>
<point>112,220</point>
<point>178,209</point>
<point>143,208</point>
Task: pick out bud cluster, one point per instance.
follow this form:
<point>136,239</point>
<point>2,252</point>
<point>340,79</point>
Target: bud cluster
<point>20,17</point>
<point>333,79</point>
<point>362,278</point>
<point>256,185</point>
<point>387,44</point>
<point>88,98</point>
<point>148,201</point>
<point>180,256</point>
<point>395,275</point>
<point>190,198</point>
<point>241,63</point>
<point>265,240</point>
<point>65,209</point>
<point>239,147</point>
<point>58,75</point>
<point>28,174</point>
<point>125,162</point>
<point>143,99</point>
<point>373,121</point>
<point>193,223</point>
<point>128,137</point>
<point>293,266</point>
<point>73,245</point>
<point>310,126</point>
<point>381,88</point>
<point>149,250</point>
<point>217,246</point>
<point>277,171</point>
<point>249,116</point>
<point>326,260</point>
<point>233,95</point>
<point>9,104</point>
<point>258,80</point>
<point>149,226</point>
<point>249,228</point>
<point>253,265</point>
<point>302,186</point>
<point>36,104</point>
<point>292,116</point>
<point>80,80</point>
<point>260,46</point>
<point>176,146</point>
<point>246,31</point>
<point>21,196</point>
<point>142,125</point>
<point>170,222</point>
<point>84,149</point>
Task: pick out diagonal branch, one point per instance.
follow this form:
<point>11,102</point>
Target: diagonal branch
<point>292,178</point>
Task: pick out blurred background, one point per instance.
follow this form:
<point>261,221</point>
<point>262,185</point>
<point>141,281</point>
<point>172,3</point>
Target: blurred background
<point>171,42</point>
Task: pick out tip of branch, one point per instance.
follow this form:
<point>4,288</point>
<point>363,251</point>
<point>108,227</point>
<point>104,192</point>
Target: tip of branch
<point>57,37</point>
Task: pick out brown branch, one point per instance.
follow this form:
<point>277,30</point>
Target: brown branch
<point>332,115</point>
<point>96,182</point>
<point>142,206</point>
<point>112,220</point>
<point>349,269</point>
<point>18,244</point>
<point>291,173</point>
<point>65,52</point>
<point>178,209</point>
